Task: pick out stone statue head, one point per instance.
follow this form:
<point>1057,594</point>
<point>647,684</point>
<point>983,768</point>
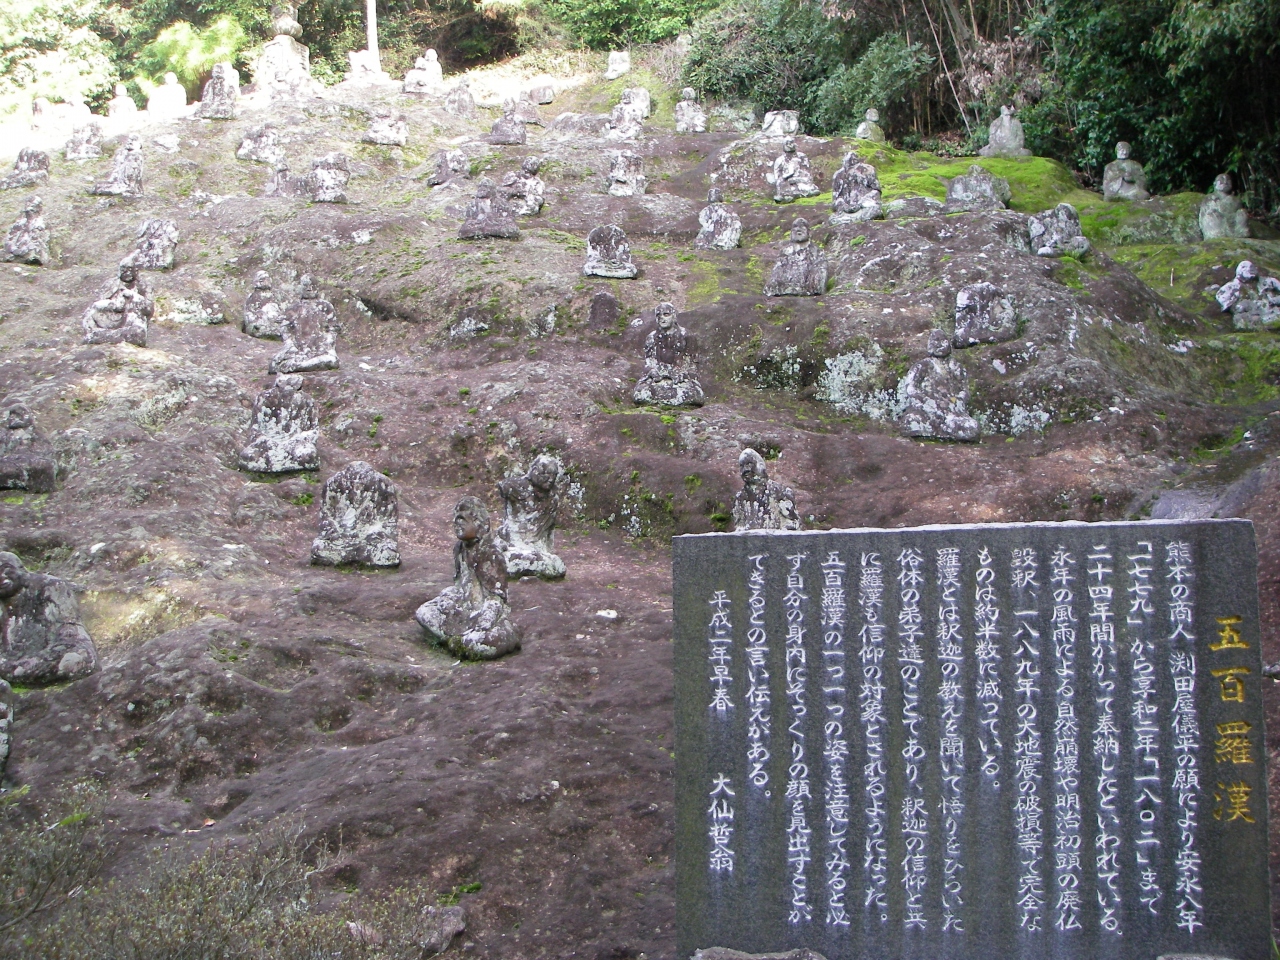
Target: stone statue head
<point>307,288</point>
<point>1246,272</point>
<point>470,519</point>
<point>751,467</point>
<point>133,144</point>
<point>18,417</point>
<point>128,272</point>
<point>715,195</point>
<point>531,165</point>
<point>262,280</point>
<point>431,54</point>
<point>665,314</point>
<point>872,115</point>
<point>1123,150</point>
<point>171,79</point>
<point>628,95</point>
<point>789,145</point>
<point>688,94</point>
<point>544,472</point>
<point>939,344</point>
<point>288,384</point>
<point>13,576</point>
<point>800,230</point>
<point>1222,184</point>
<point>485,189</point>
<point>1006,110</point>
<point>122,92</point>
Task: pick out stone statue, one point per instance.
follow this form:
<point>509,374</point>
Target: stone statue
<point>261,145</point>
<point>1123,178</point>
<point>978,190</point>
<point>508,130</point>
<point>283,429</point>
<point>869,128</point>
<point>1221,213</point>
<point>30,169</point>
<point>359,519</point>
<point>85,142</point>
<point>459,101</point>
<point>690,117</point>
<point>126,172</point>
<point>791,176</point>
<point>1056,233</point>
<point>984,314</point>
<point>283,70</point>
<point>221,93</point>
<point>801,268</point>
<point>781,123</point>
<point>626,174</point>
<point>619,63</point>
<point>386,127</point>
<point>525,190</point>
<point>531,503</point>
<point>609,254</point>
<point>934,395</point>
<point>626,119</point>
<point>123,313</point>
<point>42,639</point>
<point>155,245</point>
<point>449,164</point>
<point>310,333</point>
<point>167,101</point>
<point>471,618</point>
<point>721,228</point>
<point>327,181</point>
<point>762,504</point>
<point>488,215</point>
<point>27,458</point>
<point>523,109</point>
<point>28,239</point>
<point>262,313</point>
<point>1005,137</point>
<point>542,93</point>
<point>1252,301</point>
<point>6,723</point>
<point>855,191</point>
<point>281,184</point>
<point>670,377</point>
<point>427,76</point>
<point>121,106</point>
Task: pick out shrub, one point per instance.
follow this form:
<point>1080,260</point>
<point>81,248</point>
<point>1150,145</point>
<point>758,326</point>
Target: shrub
<point>603,24</point>
<point>48,48</point>
<point>191,53</point>
<point>880,78</point>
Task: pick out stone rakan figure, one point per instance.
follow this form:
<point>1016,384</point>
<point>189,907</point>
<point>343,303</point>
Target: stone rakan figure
<point>30,169</point>
<point>934,395</point>
<point>125,179</point>
<point>1252,300</point>
<point>488,215</point>
<point>791,176</point>
<point>121,106</point>
<point>42,639</point>
<point>869,128</point>
<point>1056,233</point>
<point>1005,137</point>
<point>471,618</point>
<point>221,94</point>
<point>28,239</point>
<point>359,519</point>
<point>525,190</point>
<point>855,191</point>
<point>626,174</point>
<point>27,458</point>
<point>780,123</point>
<point>459,101</point>
<point>262,314</point>
<point>762,504</point>
<point>123,313</point>
<point>283,429</point>
<point>523,109</point>
<point>670,377</point>
<point>310,333</point>
<point>690,117</point>
<point>1221,213</point>
<point>327,181</point>
<point>801,267</point>
<point>386,127</point>
<point>85,142</point>
<point>261,145</point>
<point>721,228</point>
<point>531,505</point>
<point>984,314</point>
<point>978,190</point>
<point>508,130</point>
<point>1124,178</point>
<point>427,76</point>
<point>449,164</point>
<point>609,254</point>
<point>619,63</point>
<point>155,245</point>
<point>168,100</point>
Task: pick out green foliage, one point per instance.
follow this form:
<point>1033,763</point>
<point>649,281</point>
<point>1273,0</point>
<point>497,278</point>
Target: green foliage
<point>49,48</point>
<point>605,24</point>
<point>191,53</point>
<point>883,75</point>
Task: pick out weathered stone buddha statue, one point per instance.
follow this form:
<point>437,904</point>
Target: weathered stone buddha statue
<point>670,375</point>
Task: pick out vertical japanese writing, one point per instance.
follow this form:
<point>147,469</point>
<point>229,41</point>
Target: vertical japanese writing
<point>720,825</point>
<point>758,699</point>
<point>950,651</point>
<point>986,619</point>
<point>1179,574</point>
<point>1144,710</point>
<point>915,816</point>
<point>835,746</point>
<point>1106,733</point>
<point>871,715</point>
<point>720,640</point>
<point>799,846</point>
<point>1028,751</point>
<point>1066,745</point>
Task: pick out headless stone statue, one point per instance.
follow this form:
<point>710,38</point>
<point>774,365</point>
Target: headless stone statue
<point>42,639</point>
<point>85,142</point>
<point>126,172</point>
<point>427,76</point>
<point>801,267</point>
<point>984,314</point>
<point>531,503</point>
<point>869,128</point>
<point>762,504</point>
<point>27,458</point>
<point>855,191</point>
<point>721,228</point>
<point>28,238</point>
<point>525,190</point>
<point>619,63</point>
<point>781,123</point>
<point>283,429</point>
<point>509,130</point>
<point>121,106</point>
<point>459,101</point>
<point>670,377</point>
<point>359,519</point>
<point>934,395</point>
<point>449,164</point>
<point>221,94</point>
<point>1221,213</point>
<point>1005,137</point>
<point>471,618</point>
<point>626,119</point>
<point>1123,178</point>
<point>386,127</point>
<point>262,314</point>
<point>1056,233</point>
<point>690,117</point>
<point>327,181</point>
<point>123,313</point>
<point>1252,301</point>
<point>978,190</point>
<point>30,169</point>
<point>609,254</point>
<point>310,333</point>
<point>523,109</point>
<point>791,176</point>
<point>261,145</point>
<point>167,101</point>
<point>488,215</point>
<point>155,245</point>
<point>626,175</point>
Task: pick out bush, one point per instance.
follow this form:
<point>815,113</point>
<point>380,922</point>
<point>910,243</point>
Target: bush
<point>191,53</point>
<point>607,24</point>
<point>880,78</point>
<point>48,48</point>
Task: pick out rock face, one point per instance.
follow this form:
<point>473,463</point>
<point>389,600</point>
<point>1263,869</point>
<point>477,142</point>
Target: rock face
<point>781,123</point>
<point>126,172</point>
<point>855,190</point>
<point>1221,213</point>
<point>168,101</point>
<point>283,71</point>
<point>1005,137</point>
<point>934,396</point>
<point>1252,301</point>
<point>310,333</point>
<point>984,315</point>
<point>1056,233</point>
<point>471,618</point>
<point>869,128</point>
<point>155,245</point>
<point>359,519</point>
<point>327,181</point>
<point>619,63</point>
<point>42,639</point>
<point>123,313</point>
<point>262,314</point>
<point>801,267</point>
<point>121,106</point>
<point>978,190</point>
<point>1123,178</point>
<point>449,164</point>
<point>261,145</point>
<point>31,168</point>
<point>569,126</point>
<point>28,239</point>
<point>531,505</point>
<point>27,458</point>
<point>388,128</point>
<point>508,130</point>
<point>525,191</point>
<point>721,228</point>
<point>690,117</point>
<point>427,76</point>
<point>670,377</point>
<point>791,176</point>
<point>85,142</point>
<point>459,101</point>
<point>626,174</point>
<point>221,94</point>
<point>762,504</point>
<point>609,254</point>
<point>283,430</point>
<point>488,215</point>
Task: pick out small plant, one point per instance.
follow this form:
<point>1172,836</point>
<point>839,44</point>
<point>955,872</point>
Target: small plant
<point>303,500</point>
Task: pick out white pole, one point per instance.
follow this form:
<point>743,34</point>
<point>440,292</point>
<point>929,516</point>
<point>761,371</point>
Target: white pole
<point>371,32</point>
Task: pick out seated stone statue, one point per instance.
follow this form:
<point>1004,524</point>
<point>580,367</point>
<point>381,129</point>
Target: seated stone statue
<point>27,458</point>
<point>327,181</point>
<point>626,175</point>
<point>310,333</point>
<point>619,63</point>
<point>978,190</point>
<point>125,179</point>
<point>1221,213</point>
<point>869,128</point>
<point>801,268</point>
<point>123,313</point>
<point>121,106</point>
<point>1252,301</point>
<point>780,123</point>
<point>626,119</point>
<point>1123,178</point>
<point>30,169</point>
<point>670,377</point>
<point>609,254</point>
<point>984,314</point>
<point>283,429</point>
<point>471,618</point>
<point>427,76</point>
<point>85,142</point>
<point>488,215</point>
<point>690,117</point>
<point>1005,137</point>
<point>525,190</point>
<point>791,176</point>
<point>221,94</point>
<point>359,519</point>
<point>509,130</point>
<point>449,164</point>
<point>855,191</point>
<point>1056,233</point>
<point>459,101</point>
<point>155,245</point>
<point>28,239</point>
<point>262,313</point>
<point>762,504</point>
<point>523,109</point>
<point>261,145</point>
<point>42,639</point>
<point>721,228</point>
<point>387,128</point>
<point>168,100</point>
<point>934,395</point>
<point>531,504</point>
